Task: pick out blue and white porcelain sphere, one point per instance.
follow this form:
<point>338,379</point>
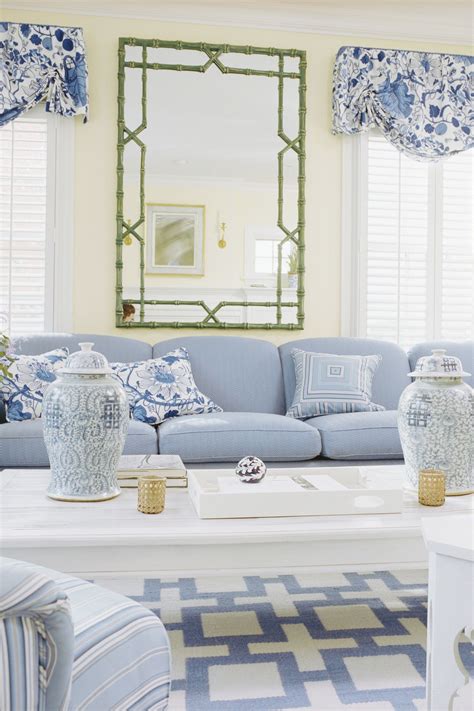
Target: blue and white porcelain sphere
<point>251,470</point>
<point>85,414</point>
<point>436,423</point>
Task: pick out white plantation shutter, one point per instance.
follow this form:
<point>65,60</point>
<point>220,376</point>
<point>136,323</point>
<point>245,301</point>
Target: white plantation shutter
<point>413,251</point>
<point>397,244</point>
<point>24,247</point>
<point>457,262</point>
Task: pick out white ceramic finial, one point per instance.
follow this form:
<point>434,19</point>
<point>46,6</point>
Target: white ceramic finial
<point>86,347</point>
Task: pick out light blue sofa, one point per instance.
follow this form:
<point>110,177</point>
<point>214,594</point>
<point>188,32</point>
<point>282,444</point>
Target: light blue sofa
<point>66,644</point>
<point>253,381</point>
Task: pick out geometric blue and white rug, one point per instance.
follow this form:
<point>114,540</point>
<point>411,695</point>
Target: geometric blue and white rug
<point>254,643</point>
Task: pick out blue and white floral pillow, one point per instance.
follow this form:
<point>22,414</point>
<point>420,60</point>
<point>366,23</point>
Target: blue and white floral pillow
<point>329,384</point>
<point>28,377</point>
<point>161,388</point>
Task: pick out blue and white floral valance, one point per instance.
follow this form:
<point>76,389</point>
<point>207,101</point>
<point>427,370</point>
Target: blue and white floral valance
<point>42,62</point>
<point>422,102</point>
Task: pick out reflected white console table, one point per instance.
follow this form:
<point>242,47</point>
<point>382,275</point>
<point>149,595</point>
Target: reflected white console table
<point>450,543</point>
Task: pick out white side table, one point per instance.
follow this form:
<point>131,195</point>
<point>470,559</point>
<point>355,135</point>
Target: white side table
<point>450,543</point>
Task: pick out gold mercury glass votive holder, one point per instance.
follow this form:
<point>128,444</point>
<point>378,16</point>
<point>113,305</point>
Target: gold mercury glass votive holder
<point>151,494</point>
<point>431,487</point>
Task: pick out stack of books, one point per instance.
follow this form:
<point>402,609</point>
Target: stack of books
<point>132,466</point>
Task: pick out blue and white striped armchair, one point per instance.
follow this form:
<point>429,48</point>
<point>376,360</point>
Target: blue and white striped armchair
<point>66,644</point>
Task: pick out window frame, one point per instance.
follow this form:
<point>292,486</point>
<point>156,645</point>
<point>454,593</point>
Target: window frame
<point>59,222</point>
<point>354,240</point>
<point>253,233</point>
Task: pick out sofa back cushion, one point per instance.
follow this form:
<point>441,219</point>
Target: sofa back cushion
<point>115,348</point>
<point>240,374</point>
<point>389,380</point>
<point>460,349</point>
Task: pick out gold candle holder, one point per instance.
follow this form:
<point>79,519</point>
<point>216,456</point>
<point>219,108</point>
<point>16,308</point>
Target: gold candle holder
<point>431,487</point>
<point>151,494</point>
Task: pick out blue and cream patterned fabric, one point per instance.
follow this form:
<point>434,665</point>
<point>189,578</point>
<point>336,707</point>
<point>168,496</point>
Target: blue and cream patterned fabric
<point>24,387</point>
<point>161,388</point>
<point>421,101</point>
<point>71,645</point>
<point>329,384</point>
<point>42,62</point>
<point>316,641</point>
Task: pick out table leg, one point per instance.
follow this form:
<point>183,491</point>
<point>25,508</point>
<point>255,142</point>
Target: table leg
<point>450,611</point>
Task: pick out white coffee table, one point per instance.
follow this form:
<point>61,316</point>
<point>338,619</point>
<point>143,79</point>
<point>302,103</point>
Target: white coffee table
<point>111,537</point>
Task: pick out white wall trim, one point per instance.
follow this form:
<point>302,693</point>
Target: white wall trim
<point>394,25</point>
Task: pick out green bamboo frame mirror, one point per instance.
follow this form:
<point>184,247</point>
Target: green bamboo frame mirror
<point>132,231</point>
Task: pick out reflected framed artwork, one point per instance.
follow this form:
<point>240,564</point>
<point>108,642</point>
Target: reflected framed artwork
<point>175,239</point>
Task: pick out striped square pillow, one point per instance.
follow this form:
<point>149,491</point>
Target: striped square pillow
<point>330,384</point>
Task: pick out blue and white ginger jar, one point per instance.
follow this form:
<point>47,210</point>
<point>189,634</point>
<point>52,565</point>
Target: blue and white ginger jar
<point>85,413</point>
<point>436,423</point>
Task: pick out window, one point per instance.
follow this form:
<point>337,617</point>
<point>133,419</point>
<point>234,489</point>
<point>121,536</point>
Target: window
<point>266,256</point>
<point>35,223</point>
<point>408,254</point>
<point>261,254</point>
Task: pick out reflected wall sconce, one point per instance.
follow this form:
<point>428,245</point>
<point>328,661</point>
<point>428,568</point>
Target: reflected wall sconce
<point>222,228</point>
<point>128,239</point>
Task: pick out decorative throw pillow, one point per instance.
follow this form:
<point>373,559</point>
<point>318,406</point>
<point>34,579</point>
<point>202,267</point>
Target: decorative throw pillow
<point>329,384</point>
<point>28,377</point>
<point>161,388</point>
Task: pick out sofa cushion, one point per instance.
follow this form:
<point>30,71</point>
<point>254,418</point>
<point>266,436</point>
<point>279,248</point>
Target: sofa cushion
<point>240,374</point>
<point>161,388</point>
<point>113,347</point>
<point>22,443</point>
<point>329,384</point>
<point>229,436</point>
<point>389,380</point>
<point>359,435</point>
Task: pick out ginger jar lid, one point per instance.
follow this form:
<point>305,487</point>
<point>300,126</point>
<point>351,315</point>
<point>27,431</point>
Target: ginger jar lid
<point>438,365</point>
<point>86,362</point>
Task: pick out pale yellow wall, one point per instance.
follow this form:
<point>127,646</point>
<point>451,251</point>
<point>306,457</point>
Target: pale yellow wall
<point>95,181</point>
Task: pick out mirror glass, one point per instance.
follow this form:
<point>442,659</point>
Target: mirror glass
<point>200,220</point>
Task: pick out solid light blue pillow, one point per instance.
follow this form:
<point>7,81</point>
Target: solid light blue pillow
<point>332,384</point>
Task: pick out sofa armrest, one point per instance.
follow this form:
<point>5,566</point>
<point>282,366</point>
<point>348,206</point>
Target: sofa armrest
<point>36,639</point>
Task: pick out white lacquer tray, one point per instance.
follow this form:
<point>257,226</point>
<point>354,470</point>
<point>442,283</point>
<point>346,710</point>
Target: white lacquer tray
<point>218,493</point>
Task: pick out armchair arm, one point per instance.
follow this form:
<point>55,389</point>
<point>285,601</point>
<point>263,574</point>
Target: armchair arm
<point>36,639</point>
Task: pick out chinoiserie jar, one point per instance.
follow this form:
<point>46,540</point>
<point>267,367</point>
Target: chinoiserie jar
<point>85,414</point>
<point>436,423</point>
